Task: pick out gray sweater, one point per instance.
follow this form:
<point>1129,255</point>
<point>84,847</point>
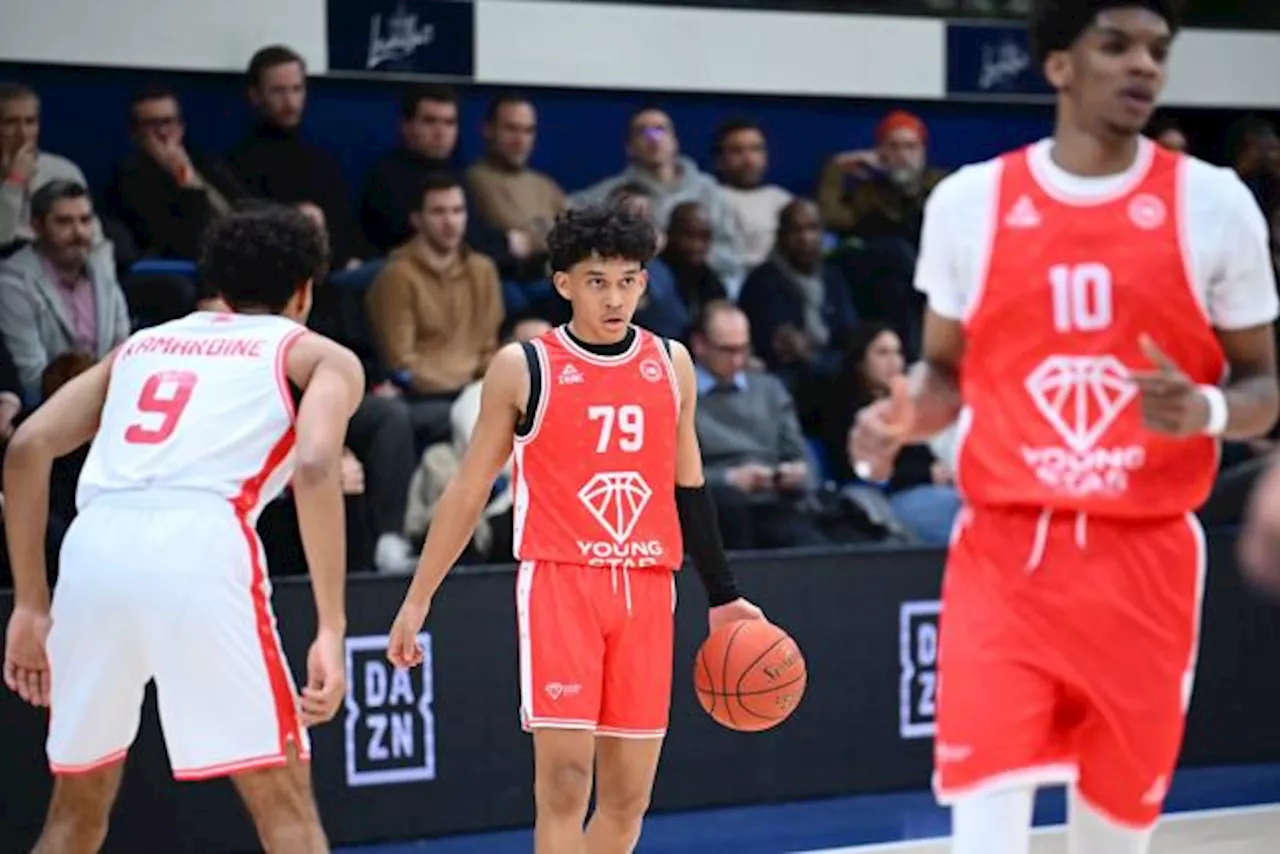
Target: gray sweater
<point>727,240</point>
<point>757,424</point>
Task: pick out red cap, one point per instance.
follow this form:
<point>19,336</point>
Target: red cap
<point>898,120</point>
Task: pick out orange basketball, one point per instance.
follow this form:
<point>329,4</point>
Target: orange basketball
<point>749,675</point>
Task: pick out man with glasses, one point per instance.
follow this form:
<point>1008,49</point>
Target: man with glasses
<point>753,452</point>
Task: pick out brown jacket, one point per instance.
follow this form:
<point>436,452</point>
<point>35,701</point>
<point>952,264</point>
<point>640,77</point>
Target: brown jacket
<point>871,208</point>
<point>439,325</point>
<point>527,200</point>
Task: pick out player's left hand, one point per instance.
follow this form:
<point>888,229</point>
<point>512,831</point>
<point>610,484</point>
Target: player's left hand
<point>1172,403</point>
<point>732,612</point>
<point>326,679</point>
<point>26,666</point>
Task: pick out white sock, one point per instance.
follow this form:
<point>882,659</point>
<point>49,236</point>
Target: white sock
<point>1090,832</point>
<point>997,822</point>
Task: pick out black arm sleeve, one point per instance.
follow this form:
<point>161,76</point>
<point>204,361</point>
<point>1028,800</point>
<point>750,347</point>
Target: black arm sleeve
<point>702,543</point>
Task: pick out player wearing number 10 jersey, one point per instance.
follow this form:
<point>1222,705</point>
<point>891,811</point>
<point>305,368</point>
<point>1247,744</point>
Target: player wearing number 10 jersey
<point>608,496</point>
<point>194,429</point>
<point>1100,317</point>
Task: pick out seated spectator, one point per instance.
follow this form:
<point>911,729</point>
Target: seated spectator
<point>660,310</point>
<point>165,193</point>
<point>799,306</point>
<point>654,153</point>
<point>435,309</point>
<point>24,167</point>
<point>921,490</point>
<point>881,192</point>
<point>753,451</point>
<point>505,193</point>
<point>60,294</point>
<point>688,244</point>
<point>742,160</point>
<point>275,162</point>
<point>393,188</point>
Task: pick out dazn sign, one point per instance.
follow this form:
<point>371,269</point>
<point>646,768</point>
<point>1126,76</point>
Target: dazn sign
<point>390,728</point>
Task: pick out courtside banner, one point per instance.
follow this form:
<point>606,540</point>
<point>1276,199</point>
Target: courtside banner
<point>993,61</point>
<point>428,37</point>
<point>438,750</point>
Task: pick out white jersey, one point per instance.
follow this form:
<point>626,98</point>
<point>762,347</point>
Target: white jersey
<point>198,404</point>
<point>1225,234</point>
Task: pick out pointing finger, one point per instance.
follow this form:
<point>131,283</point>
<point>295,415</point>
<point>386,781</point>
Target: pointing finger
<point>1157,356</point>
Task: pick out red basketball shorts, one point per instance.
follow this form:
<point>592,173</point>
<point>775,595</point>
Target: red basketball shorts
<point>1067,654</point>
<point>596,648</point>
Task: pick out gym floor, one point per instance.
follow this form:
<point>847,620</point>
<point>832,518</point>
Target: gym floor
<point>1230,810</point>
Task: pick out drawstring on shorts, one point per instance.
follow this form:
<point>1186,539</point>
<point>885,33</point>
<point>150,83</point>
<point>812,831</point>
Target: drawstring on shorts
<point>1041,538</point>
<point>626,584</point>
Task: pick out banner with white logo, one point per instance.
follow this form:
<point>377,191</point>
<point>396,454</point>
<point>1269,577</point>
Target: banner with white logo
<point>918,660</point>
<point>993,61</point>
<point>390,728</point>
<point>402,37</point>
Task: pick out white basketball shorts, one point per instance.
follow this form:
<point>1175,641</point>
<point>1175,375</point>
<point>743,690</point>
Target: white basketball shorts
<point>171,587</point>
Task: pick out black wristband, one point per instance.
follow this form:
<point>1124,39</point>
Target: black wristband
<point>702,543</point>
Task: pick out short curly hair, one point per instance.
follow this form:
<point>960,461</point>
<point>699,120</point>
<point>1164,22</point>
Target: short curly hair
<point>603,231</point>
<point>261,255</point>
<point>1056,24</point>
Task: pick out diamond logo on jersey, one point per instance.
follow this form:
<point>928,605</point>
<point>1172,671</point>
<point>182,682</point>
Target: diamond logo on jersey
<point>616,500</point>
<point>1081,396</point>
<point>1023,214</point>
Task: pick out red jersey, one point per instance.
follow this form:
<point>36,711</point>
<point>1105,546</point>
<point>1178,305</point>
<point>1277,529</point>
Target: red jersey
<point>1050,418</point>
<point>595,474</point>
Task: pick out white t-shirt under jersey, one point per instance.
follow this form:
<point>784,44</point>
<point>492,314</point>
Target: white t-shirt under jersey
<point>1223,231</point>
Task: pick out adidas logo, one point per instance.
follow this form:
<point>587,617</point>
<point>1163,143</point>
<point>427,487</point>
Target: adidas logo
<point>1023,214</point>
<point>570,375</point>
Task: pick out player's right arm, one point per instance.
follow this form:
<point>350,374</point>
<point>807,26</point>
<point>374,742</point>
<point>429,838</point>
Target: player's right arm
<point>928,400</point>
<point>65,422</point>
<point>504,394</point>
<point>332,382</point>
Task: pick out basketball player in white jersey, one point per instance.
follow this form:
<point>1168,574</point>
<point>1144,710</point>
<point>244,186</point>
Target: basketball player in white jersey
<point>162,575</point>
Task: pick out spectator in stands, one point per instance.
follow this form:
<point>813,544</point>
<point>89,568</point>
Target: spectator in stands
<point>166,193</point>
<point>505,193</point>
<point>24,168</point>
<point>921,490</point>
<point>661,310</point>
<point>1167,133</point>
<point>753,452</point>
<point>393,188</point>
<point>688,244</point>
<point>1254,149</point>
<point>60,294</point>
<point>275,162</point>
<point>800,310</point>
<point>881,192</point>
<point>436,308</point>
<point>654,153</point>
<point>742,160</point>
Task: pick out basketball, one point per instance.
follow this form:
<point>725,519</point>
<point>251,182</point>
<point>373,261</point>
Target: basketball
<point>749,675</point>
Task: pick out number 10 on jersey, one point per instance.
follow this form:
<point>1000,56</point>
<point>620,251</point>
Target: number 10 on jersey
<point>1081,297</point>
<point>629,420</point>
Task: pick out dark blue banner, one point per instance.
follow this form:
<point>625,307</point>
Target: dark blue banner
<point>992,61</point>
<point>435,37</point>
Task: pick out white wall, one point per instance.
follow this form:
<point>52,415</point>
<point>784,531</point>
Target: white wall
<point>586,45</point>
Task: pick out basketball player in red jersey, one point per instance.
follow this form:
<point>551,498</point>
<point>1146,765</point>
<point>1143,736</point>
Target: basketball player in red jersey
<point>194,429</point>
<point>609,493</point>
<point>1087,296</point>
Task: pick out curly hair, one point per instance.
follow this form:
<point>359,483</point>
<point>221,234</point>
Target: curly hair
<point>260,255</point>
<point>602,231</point>
<point>1056,24</point>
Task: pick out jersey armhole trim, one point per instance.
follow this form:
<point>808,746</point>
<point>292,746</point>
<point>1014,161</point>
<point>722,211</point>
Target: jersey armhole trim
<point>982,270</point>
<point>669,363</point>
<point>531,418</point>
<point>282,370</point>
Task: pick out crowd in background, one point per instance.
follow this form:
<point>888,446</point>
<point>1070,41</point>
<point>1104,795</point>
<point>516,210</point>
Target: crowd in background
<point>799,311</point>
